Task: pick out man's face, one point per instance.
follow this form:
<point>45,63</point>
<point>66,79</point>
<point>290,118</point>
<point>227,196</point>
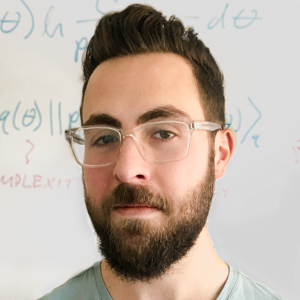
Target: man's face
<point>147,214</point>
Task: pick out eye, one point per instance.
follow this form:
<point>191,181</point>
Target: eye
<point>105,140</point>
<point>163,134</point>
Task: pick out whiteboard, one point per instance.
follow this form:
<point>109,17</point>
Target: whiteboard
<point>46,236</point>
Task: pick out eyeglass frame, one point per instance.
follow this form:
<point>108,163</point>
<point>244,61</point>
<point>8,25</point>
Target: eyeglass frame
<point>193,125</point>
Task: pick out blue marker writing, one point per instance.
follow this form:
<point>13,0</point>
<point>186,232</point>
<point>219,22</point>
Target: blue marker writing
<point>249,20</point>
<point>40,116</point>
<point>15,116</point>
<point>32,19</point>
<point>80,46</point>
<point>214,22</point>
<point>73,118</point>
<point>3,118</point>
<point>15,23</point>
<point>255,122</point>
<point>46,24</point>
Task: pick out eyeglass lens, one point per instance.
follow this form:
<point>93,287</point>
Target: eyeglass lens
<point>163,141</point>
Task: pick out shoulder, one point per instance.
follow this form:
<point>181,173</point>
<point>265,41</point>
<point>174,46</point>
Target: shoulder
<point>84,285</point>
<point>240,287</point>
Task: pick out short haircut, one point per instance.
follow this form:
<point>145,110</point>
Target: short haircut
<point>140,29</point>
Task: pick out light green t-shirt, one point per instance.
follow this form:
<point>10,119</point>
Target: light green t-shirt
<point>89,285</point>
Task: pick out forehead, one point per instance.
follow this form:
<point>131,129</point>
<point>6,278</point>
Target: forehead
<point>127,87</point>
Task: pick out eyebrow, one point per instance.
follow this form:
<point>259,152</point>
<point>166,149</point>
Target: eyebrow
<point>102,119</point>
<point>168,111</point>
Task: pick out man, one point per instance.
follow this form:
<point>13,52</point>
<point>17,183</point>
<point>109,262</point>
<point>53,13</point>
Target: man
<point>151,145</point>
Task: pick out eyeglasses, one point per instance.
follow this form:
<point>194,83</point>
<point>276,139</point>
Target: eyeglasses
<point>161,141</point>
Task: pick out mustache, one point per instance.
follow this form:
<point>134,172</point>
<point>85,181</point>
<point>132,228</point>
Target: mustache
<point>125,194</point>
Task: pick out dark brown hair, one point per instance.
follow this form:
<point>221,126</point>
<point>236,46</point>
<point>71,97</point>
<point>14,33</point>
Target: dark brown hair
<point>141,29</point>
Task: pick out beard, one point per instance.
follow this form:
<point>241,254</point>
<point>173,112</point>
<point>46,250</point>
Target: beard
<point>142,250</point>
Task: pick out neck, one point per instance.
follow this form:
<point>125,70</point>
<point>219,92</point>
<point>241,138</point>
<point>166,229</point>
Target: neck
<point>201,274</point>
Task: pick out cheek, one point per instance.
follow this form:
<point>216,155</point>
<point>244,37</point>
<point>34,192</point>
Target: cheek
<point>174,179</point>
<point>97,181</point>
<point>193,168</point>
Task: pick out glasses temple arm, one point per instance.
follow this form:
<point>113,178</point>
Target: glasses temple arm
<point>210,126</point>
<point>70,134</point>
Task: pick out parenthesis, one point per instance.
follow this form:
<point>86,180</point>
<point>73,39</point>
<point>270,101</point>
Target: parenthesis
<point>240,120</point>
<point>40,116</point>
<point>15,115</point>
<point>32,19</point>
<point>230,122</point>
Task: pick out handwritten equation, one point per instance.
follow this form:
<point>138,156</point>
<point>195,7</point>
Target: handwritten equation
<point>25,115</point>
<point>221,193</point>
<point>37,181</point>
<point>239,123</point>
<point>29,115</point>
<point>240,20</point>
<point>24,17</point>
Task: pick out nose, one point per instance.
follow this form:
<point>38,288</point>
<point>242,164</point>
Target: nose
<point>131,167</point>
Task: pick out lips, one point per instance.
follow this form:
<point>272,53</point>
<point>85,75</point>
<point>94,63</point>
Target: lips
<point>126,197</point>
<point>134,205</point>
<point>134,210</point>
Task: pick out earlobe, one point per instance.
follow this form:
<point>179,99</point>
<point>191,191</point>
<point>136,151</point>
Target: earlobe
<point>224,147</point>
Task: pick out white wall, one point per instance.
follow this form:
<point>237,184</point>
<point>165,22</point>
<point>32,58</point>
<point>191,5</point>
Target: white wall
<point>254,223</point>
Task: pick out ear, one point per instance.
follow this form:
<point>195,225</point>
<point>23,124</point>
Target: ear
<point>224,147</point>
